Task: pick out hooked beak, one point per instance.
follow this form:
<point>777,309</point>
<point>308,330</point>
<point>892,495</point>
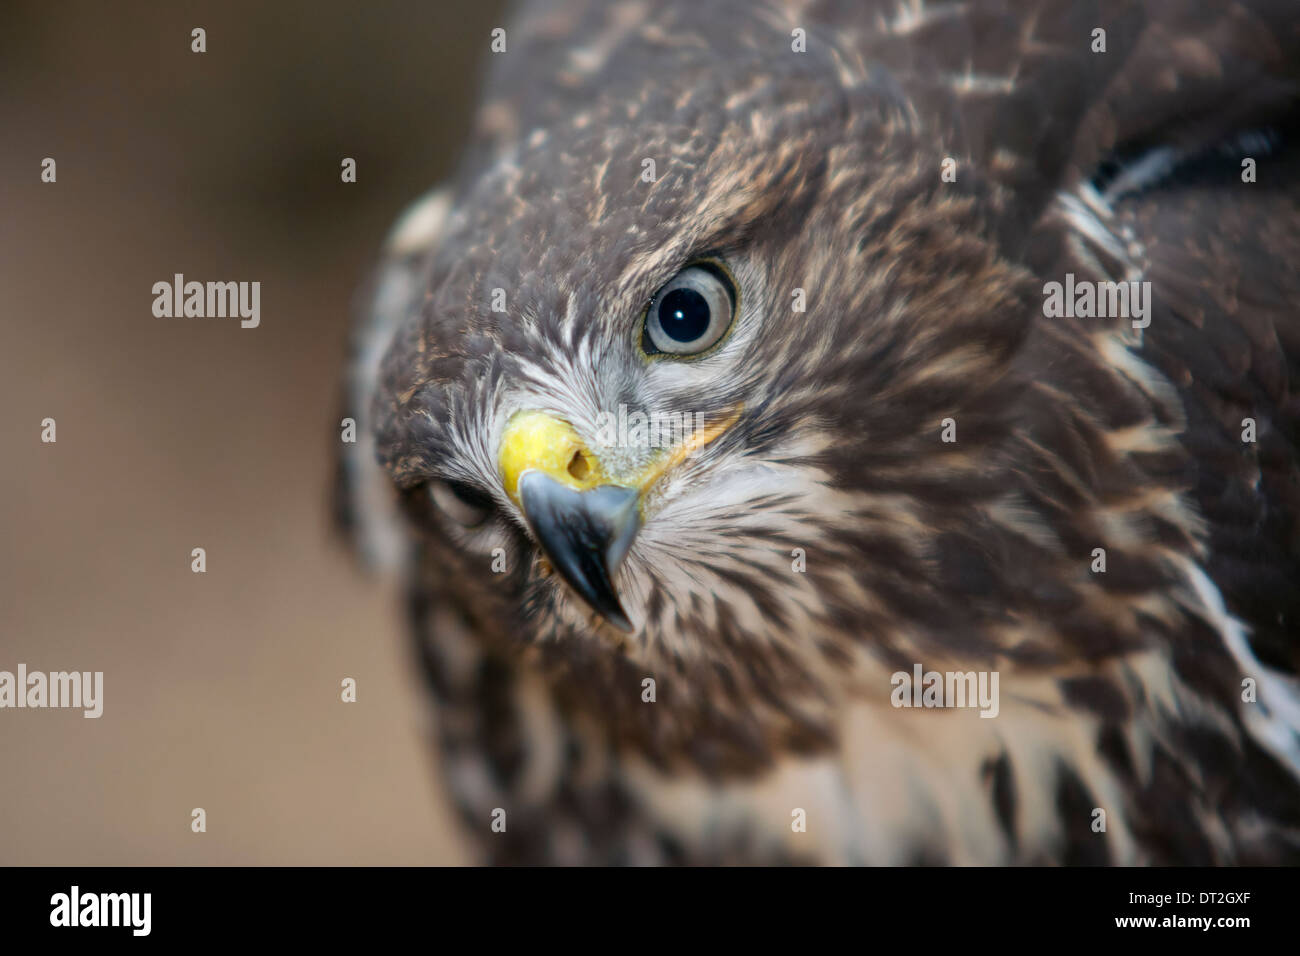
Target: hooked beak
<point>585,535</point>
<point>584,518</point>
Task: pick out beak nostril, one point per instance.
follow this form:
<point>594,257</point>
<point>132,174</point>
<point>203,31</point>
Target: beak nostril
<point>579,467</point>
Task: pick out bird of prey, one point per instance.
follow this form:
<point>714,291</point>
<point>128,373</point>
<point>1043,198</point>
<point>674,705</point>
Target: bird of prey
<point>981,323</point>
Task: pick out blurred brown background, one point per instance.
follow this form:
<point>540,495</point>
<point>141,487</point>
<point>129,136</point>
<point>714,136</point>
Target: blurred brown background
<point>221,690</point>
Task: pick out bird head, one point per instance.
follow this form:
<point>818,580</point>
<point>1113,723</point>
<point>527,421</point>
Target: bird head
<point>677,380</point>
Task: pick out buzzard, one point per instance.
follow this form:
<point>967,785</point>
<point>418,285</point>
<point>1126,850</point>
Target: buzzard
<point>972,328</point>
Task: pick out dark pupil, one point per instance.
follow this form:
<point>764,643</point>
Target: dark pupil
<point>684,315</point>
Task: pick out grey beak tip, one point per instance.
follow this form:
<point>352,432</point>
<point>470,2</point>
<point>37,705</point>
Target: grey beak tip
<point>585,534</point>
<point>620,621</point>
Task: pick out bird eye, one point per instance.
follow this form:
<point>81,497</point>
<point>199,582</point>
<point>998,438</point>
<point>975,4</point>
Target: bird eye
<point>691,313</point>
<point>460,502</point>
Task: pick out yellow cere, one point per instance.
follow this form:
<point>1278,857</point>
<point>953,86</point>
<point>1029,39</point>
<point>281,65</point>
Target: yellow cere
<point>535,441</point>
